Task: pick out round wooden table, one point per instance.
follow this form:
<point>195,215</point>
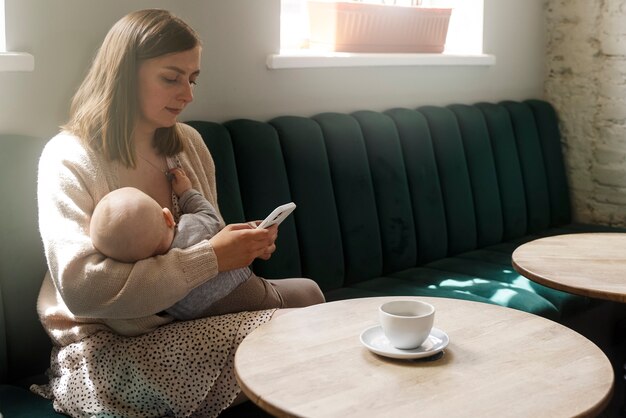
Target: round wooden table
<point>587,264</point>
<point>499,362</point>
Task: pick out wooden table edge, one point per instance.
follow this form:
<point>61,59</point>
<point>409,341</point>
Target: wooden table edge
<point>601,406</point>
<point>546,282</point>
<point>276,411</point>
<point>262,403</point>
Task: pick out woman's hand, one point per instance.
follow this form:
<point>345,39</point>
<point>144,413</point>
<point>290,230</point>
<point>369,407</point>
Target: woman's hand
<point>237,245</point>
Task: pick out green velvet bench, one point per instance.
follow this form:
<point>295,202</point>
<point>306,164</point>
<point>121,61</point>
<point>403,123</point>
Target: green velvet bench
<point>429,201</point>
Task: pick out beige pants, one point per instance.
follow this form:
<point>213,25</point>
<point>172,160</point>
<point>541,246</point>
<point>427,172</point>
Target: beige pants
<point>257,293</point>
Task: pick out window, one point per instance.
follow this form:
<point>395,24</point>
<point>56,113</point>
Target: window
<point>3,40</point>
<point>12,61</point>
<point>464,43</point>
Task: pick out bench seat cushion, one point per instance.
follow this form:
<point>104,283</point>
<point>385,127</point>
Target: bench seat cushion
<point>483,275</point>
<point>18,402</point>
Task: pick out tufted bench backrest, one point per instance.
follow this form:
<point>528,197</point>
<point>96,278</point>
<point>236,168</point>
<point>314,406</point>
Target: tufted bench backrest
<point>381,192</point>
<point>24,346</point>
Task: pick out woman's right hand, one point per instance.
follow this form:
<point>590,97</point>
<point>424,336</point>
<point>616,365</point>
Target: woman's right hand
<point>237,245</point>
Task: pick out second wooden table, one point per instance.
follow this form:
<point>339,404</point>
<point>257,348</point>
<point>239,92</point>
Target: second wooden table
<point>587,264</point>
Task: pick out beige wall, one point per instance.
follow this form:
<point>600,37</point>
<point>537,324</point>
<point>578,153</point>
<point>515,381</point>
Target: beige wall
<point>586,62</point>
<point>237,35</point>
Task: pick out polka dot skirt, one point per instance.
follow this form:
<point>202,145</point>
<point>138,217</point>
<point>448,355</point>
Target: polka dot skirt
<point>184,369</point>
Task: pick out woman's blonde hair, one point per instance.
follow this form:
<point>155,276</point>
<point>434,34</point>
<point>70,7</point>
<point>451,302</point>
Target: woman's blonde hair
<point>105,107</point>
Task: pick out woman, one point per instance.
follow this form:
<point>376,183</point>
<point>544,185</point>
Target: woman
<point>115,353</point>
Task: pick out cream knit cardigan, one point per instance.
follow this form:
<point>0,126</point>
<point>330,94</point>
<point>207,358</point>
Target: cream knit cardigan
<point>85,292</point>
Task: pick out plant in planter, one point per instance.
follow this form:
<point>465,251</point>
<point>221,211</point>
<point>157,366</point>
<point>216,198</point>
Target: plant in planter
<point>356,26</point>
<point>394,2</point>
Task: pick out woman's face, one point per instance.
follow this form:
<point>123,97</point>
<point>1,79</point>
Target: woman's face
<point>165,86</point>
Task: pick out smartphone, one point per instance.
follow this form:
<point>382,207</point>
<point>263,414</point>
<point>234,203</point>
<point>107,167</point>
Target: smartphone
<point>278,215</point>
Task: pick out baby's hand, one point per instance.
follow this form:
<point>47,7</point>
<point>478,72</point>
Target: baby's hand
<point>180,181</point>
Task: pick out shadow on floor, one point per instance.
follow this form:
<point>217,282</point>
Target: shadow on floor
<point>245,410</point>
<point>606,327</point>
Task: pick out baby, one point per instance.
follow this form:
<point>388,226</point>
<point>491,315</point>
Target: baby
<point>128,225</point>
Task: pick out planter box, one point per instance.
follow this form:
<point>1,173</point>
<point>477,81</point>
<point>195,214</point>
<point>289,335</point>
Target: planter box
<point>364,27</point>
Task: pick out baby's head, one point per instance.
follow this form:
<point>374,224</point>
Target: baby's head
<point>128,225</point>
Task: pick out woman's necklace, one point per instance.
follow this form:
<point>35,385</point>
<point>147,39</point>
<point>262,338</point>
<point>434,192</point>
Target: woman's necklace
<point>169,176</point>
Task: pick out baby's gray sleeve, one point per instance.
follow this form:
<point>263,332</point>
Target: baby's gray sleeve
<point>193,203</point>
<point>197,302</point>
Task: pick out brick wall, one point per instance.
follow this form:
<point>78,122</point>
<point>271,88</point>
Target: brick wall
<point>586,82</point>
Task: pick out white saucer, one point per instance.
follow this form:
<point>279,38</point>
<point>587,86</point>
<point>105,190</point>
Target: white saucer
<point>374,339</point>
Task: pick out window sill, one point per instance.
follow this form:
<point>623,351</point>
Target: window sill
<point>16,61</point>
<point>342,59</point>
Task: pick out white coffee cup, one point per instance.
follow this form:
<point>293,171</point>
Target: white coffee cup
<point>406,323</point>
